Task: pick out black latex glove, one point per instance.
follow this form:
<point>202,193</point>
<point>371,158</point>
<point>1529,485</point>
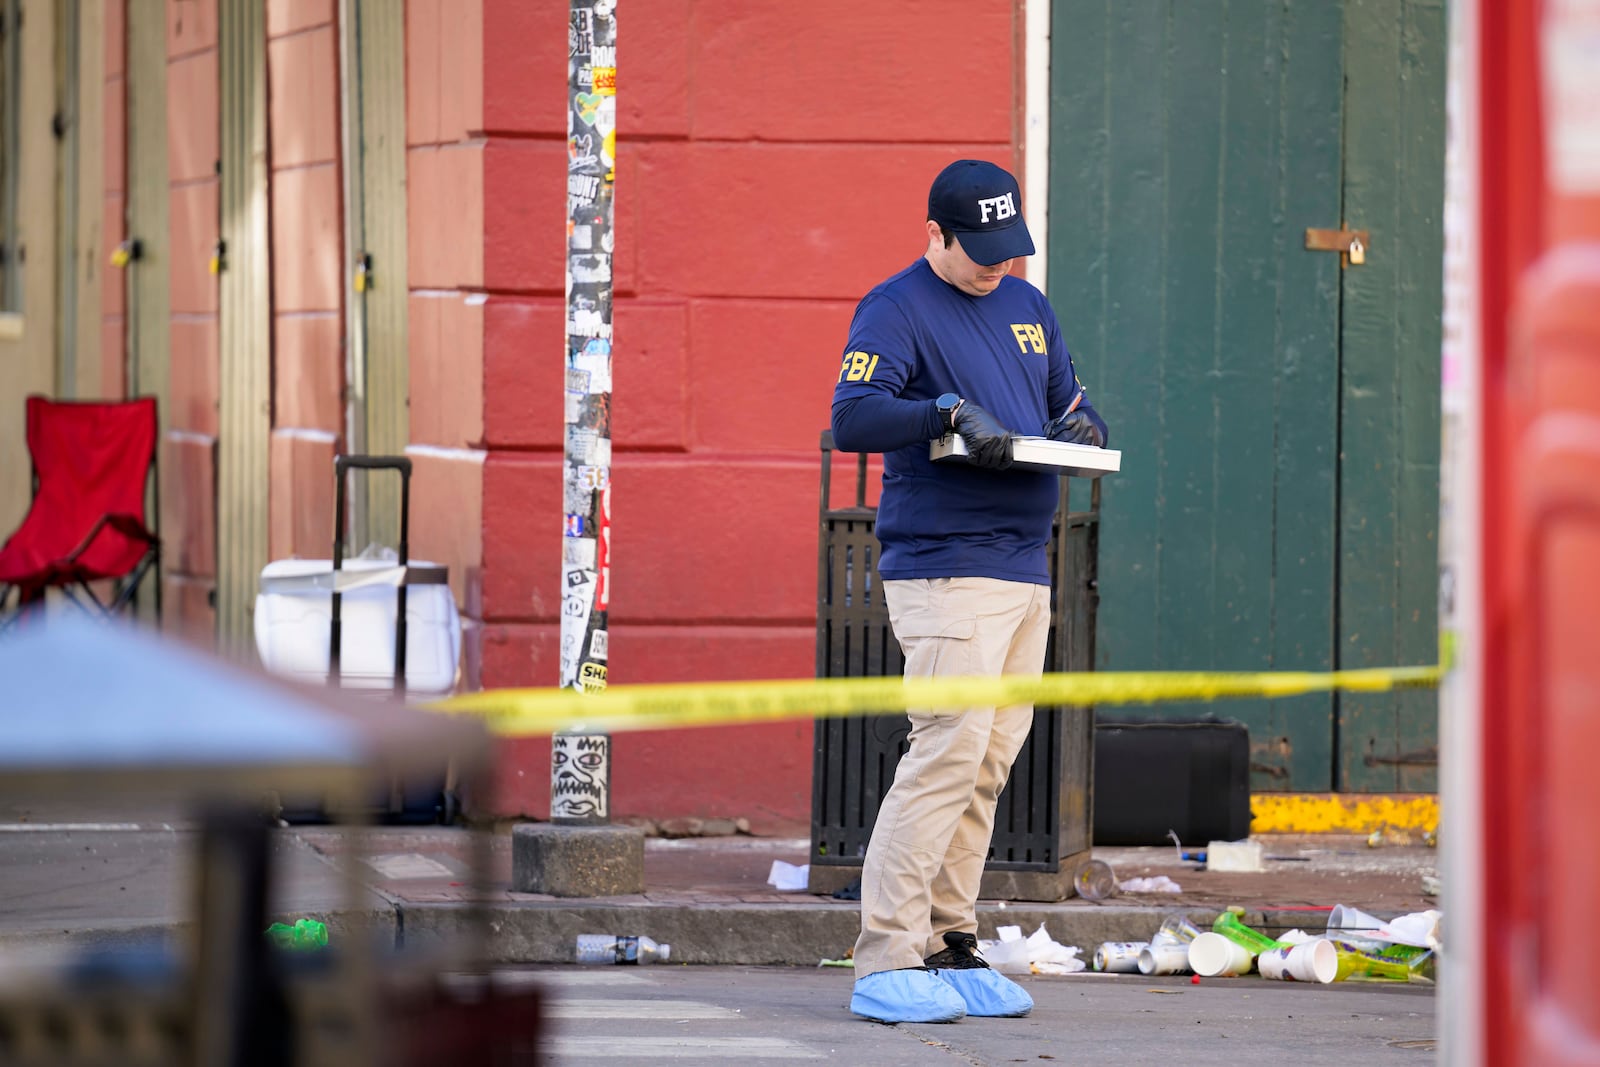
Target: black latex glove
<point>1076,428</point>
<point>988,443</point>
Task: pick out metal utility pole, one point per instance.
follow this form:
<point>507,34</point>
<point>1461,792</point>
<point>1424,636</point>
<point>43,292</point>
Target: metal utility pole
<point>580,774</point>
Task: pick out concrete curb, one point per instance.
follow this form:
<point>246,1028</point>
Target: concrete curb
<point>799,934</point>
<point>766,934</point>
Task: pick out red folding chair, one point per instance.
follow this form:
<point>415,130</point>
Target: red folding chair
<point>91,463</point>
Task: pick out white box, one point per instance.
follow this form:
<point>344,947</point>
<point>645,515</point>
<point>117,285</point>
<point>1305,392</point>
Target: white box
<point>294,610</point>
<point>1234,856</point>
<point>1038,454</point>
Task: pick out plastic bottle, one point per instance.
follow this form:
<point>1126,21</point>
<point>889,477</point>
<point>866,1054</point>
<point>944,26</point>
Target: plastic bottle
<point>605,948</point>
<point>1357,964</point>
<point>1228,925</point>
<point>305,935</point>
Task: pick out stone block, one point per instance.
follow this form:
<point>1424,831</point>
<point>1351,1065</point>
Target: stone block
<point>577,861</point>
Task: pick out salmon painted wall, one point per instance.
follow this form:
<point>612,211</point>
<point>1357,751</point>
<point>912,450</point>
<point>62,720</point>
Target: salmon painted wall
<point>112,53</point>
<point>773,164</point>
<point>447,308</point>
<point>308,279</point>
<point>189,449</point>
<point>307,286</point>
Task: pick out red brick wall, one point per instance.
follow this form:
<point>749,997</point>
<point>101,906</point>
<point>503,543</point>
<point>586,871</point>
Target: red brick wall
<point>773,165</point>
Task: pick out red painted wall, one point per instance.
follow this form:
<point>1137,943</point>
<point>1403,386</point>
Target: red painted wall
<point>773,165</point>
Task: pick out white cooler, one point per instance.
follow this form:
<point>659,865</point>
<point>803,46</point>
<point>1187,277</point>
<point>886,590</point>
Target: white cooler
<point>294,609</point>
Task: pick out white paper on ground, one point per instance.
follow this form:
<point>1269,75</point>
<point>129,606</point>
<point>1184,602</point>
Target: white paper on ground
<point>787,878</point>
<point>1159,884</point>
<point>1007,957</point>
<point>1420,928</point>
<point>1038,952</point>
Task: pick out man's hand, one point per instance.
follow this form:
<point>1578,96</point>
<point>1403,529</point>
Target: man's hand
<point>988,443</point>
<point>1076,428</point>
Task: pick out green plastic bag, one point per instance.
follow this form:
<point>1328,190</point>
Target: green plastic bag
<point>306,935</point>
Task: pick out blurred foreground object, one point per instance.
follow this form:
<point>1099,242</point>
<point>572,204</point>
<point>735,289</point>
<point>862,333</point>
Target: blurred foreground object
<point>110,712</point>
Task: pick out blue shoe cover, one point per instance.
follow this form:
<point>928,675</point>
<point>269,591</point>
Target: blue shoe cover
<point>986,992</point>
<point>912,995</point>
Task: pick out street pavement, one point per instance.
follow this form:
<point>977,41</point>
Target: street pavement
<point>761,1014</point>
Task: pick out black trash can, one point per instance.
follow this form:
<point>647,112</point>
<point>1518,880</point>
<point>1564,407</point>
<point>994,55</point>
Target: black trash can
<point>1044,820</point>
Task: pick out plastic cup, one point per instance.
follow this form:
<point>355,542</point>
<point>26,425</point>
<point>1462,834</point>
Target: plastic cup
<point>1211,955</point>
<point>1178,928</point>
<point>1094,880</point>
<point>1167,957</point>
<point>1274,964</point>
<point>1314,961</point>
<point>1344,917</point>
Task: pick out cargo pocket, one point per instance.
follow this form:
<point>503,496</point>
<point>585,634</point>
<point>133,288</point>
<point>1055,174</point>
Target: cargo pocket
<point>936,644</point>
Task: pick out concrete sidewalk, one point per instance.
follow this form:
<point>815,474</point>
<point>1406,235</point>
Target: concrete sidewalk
<point>72,882</point>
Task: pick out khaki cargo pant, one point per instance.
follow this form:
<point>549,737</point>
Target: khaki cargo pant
<point>920,876</point>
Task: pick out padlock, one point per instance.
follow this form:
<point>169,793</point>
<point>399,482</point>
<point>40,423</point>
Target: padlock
<point>1358,251</point>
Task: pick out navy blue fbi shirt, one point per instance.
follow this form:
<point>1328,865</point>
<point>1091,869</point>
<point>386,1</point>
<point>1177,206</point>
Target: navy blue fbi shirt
<point>913,338</point>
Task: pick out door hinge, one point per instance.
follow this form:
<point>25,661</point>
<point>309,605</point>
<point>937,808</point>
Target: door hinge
<point>1422,757</point>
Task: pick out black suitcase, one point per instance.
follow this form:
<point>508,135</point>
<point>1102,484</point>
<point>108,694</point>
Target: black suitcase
<point>1191,777</point>
<point>404,803</point>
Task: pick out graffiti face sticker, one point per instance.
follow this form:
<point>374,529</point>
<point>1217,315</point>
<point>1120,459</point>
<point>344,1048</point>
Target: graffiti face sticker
<point>579,785</point>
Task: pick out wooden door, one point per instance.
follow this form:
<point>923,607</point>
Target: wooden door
<point>1277,407</point>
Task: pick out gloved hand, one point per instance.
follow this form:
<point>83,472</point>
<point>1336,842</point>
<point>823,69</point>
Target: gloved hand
<point>988,443</point>
<point>1076,428</point>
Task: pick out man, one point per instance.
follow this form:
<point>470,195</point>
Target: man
<point>954,344</point>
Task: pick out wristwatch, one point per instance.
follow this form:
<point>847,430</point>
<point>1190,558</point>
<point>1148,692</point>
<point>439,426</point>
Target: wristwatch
<point>948,404</point>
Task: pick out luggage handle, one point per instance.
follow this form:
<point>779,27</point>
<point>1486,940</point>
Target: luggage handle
<point>342,465</point>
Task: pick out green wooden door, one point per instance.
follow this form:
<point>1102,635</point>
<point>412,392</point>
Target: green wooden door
<point>1278,413</point>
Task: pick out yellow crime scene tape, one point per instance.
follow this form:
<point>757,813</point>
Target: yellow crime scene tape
<point>536,712</point>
